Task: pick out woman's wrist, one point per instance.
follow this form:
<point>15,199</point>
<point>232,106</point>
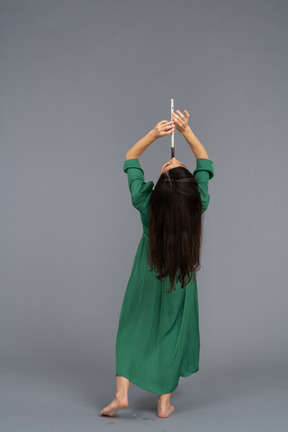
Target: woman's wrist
<point>187,132</point>
<point>152,136</point>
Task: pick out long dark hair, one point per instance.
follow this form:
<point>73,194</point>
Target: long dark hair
<point>175,227</point>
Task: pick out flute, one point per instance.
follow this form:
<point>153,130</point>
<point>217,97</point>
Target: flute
<point>172,135</point>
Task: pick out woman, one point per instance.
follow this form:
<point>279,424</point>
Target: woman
<point>158,335</point>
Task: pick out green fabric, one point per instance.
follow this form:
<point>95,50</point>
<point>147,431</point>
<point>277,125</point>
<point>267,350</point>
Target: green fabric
<point>158,337</point>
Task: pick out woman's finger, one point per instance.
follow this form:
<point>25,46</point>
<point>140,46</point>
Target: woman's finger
<point>180,114</point>
<point>177,120</point>
<point>168,124</point>
<point>164,124</point>
<point>167,132</point>
<point>176,117</point>
<point>168,128</point>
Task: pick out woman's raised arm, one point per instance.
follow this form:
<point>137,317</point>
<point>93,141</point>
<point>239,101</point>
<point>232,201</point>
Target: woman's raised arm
<point>181,123</point>
<point>161,129</point>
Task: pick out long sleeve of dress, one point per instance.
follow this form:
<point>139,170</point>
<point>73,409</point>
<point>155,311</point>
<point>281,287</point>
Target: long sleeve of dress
<point>203,173</point>
<point>139,189</point>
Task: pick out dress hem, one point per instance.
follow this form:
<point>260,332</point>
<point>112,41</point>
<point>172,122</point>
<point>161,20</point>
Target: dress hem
<point>186,374</point>
<point>134,381</point>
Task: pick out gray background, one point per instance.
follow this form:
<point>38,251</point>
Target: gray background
<point>81,82</point>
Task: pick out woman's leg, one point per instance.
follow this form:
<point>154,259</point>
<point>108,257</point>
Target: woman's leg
<point>121,398</point>
<point>164,407</point>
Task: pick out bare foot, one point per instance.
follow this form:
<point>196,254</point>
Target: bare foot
<point>164,410</point>
<point>114,406</point>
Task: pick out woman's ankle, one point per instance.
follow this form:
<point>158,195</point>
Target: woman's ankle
<point>164,401</point>
<point>121,395</point>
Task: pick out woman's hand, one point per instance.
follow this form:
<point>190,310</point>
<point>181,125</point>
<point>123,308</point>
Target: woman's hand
<point>181,121</point>
<point>163,128</point>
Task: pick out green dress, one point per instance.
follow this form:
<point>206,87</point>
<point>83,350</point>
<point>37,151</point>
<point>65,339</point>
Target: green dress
<point>158,336</point>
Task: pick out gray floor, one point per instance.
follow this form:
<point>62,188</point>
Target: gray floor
<point>252,399</point>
